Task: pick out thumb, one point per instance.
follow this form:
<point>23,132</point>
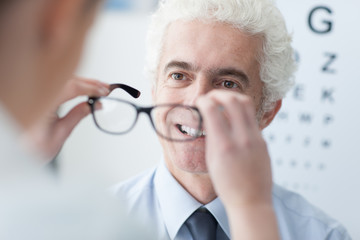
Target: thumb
<point>66,124</point>
<point>62,129</point>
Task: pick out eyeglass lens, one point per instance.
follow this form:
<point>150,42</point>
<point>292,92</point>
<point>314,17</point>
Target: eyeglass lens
<point>114,116</point>
<point>173,122</point>
<point>177,122</point>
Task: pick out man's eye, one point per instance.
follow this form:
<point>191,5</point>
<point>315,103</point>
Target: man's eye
<point>177,76</point>
<point>229,84</point>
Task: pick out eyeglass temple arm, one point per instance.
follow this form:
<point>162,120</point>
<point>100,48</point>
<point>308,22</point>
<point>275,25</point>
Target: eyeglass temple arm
<point>130,90</point>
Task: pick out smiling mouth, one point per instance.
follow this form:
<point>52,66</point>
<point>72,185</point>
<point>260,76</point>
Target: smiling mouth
<point>190,131</point>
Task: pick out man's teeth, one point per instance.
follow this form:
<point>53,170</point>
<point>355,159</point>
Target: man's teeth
<point>192,132</point>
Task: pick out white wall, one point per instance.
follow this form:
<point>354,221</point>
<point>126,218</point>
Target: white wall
<point>316,157</point>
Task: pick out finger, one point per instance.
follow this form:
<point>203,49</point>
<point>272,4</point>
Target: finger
<point>252,115</point>
<point>235,107</point>
<point>242,111</point>
<point>78,86</point>
<point>90,87</point>
<point>215,121</point>
<point>66,124</point>
<point>91,81</point>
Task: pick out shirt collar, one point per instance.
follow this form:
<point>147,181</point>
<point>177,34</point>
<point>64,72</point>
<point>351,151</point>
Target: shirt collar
<point>217,209</point>
<point>176,204</point>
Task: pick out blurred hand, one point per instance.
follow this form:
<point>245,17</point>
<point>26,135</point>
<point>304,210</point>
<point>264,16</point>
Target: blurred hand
<point>49,135</point>
<point>239,164</point>
<point>236,154</point>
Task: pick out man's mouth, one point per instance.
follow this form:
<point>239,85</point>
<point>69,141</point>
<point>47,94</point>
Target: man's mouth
<point>192,132</point>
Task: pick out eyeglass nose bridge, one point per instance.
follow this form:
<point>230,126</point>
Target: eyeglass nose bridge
<point>147,111</point>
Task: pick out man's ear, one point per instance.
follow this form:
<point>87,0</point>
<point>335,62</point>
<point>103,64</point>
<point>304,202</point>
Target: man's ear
<point>58,21</point>
<point>270,115</point>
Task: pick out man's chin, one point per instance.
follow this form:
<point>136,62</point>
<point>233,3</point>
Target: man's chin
<point>187,156</point>
<point>194,166</point>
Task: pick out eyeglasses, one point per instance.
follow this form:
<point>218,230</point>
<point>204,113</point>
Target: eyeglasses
<point>173,122</point>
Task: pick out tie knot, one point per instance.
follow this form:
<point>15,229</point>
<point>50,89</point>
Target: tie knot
<point>202,225</point>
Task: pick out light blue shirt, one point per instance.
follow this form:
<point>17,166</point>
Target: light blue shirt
<point>160,204</point>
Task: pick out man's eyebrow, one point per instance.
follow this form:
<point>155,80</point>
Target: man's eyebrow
<point>181,65</point>
<point>232,72</point>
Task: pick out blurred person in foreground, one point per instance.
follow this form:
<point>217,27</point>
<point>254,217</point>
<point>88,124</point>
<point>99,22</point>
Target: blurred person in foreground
<point>41,43</point>
<point>233,59</point>
<point>40,46</point>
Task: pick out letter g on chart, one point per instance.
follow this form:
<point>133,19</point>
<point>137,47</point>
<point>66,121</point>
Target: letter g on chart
<point>327,24</point>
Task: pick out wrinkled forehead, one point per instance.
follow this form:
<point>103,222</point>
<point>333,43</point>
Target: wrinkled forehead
<point>210,45</point>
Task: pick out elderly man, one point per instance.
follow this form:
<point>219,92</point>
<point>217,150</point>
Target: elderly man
<point>217,49</point>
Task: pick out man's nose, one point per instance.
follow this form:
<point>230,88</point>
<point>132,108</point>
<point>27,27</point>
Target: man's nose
<point>201,86</point>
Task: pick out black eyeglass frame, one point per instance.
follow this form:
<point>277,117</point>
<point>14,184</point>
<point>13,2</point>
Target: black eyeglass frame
<point>135,93</point>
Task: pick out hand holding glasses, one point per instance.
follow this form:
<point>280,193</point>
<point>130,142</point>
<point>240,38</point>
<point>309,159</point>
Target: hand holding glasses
<point>173,122</point>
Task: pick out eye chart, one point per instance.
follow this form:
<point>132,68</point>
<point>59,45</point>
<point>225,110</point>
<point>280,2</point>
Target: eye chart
<point>314,140</point>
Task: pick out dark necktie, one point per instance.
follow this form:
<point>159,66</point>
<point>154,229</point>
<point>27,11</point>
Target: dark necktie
<point>202,225</point>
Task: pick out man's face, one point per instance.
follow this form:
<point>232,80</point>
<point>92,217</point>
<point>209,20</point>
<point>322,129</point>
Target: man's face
<point>198,57</point>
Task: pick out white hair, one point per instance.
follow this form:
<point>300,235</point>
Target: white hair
<point>254,17</point>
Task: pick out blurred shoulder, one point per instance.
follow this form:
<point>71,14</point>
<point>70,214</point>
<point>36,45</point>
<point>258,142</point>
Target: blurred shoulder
<point>135,186</point>
<point>299,219</point>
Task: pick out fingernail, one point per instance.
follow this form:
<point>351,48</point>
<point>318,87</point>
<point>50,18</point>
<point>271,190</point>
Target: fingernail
<point>104,91</point>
